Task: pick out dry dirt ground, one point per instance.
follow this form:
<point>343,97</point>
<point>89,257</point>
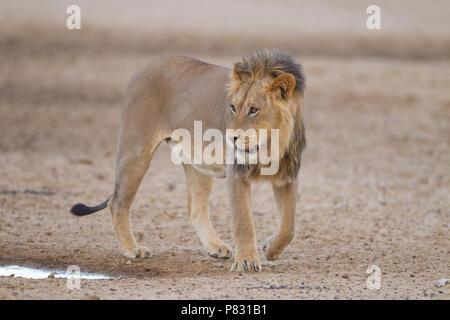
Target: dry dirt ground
<point>374,185</point>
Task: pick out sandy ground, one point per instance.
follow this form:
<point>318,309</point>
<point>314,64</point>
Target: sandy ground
<point>375,179</point>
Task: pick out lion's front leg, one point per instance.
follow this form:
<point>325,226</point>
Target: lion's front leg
<point>286,197</point>
<point>246,255</point>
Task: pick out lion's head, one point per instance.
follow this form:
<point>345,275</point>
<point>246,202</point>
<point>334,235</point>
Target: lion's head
<point>266,92</point>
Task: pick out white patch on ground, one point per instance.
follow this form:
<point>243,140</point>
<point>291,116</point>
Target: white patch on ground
<point>32,273</point>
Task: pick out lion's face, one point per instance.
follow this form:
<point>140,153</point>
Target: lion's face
<point>261,104</point>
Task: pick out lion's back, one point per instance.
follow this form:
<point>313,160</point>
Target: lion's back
<point>180,89</point>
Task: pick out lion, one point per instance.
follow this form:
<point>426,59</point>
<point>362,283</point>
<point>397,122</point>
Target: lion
<point>265,90</point>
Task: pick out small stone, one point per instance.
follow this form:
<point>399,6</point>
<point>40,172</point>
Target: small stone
<point>51,276</point>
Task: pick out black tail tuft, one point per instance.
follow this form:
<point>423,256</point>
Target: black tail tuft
<point>81,209</point>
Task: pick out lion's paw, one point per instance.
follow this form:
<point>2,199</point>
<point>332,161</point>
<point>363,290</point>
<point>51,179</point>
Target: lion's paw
<point>272,248</point>
<point>220,251</point>
<point>247,263</point>
<point>138,252</point>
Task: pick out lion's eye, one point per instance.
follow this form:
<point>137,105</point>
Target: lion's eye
<point>252,110</point>
<point>233,108</point>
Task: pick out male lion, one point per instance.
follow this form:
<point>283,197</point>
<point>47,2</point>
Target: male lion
<point>265,90</point>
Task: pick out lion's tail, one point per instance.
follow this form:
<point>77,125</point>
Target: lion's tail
<point>81,209</point>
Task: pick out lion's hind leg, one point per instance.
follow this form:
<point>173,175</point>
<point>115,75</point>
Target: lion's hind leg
<point>131,168</point>
<point>199,188</point>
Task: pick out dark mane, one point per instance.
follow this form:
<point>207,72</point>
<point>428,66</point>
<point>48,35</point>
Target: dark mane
<point>273,62</point>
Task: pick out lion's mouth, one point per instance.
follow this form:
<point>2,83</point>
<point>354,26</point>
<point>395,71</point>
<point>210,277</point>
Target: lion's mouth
<point>247,150</point>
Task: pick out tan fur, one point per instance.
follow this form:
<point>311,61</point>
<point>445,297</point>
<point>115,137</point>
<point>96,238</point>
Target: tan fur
<point>171,93</point>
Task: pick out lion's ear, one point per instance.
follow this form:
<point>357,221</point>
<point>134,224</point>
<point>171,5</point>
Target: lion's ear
<point>235,74</point>
<point>283,86</point>
<point>239,74</point>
